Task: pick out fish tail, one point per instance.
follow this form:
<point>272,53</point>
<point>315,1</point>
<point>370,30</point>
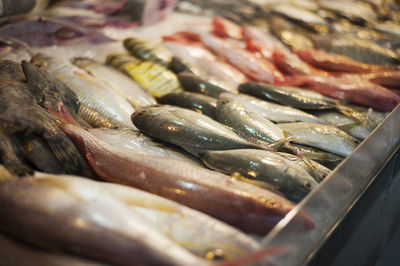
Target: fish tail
<point>285,143</point>
<point>68,155</point>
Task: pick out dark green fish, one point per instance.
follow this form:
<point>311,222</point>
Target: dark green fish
<point>10,158</point>
<point>188,129</point>
<point>287,177</point>
<point>194,101</point>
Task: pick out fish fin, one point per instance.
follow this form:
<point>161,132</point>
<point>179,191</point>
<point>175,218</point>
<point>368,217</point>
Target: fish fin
<point>308,162</point>
<point>280,143</point>
<point>63,114</point>
<point>349,125</point>
<point>355,115</point>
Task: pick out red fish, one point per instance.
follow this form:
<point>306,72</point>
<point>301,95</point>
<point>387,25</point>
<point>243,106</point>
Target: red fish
<point>353,88</point>
<point>335,62</point>
<point>243,205</point>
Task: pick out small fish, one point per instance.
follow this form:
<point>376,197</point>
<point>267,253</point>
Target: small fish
<point>153,77</point>
<point>125,86</point>
<point>288,178</point>
<point>196,54</point>
<point>193,83</point>
<point>99,104</point>
<point>360,50</point>
<point>327,138</point>
<point>194,101</point>
<point>148,51</point>
<point>248,124</point>
<point>188,129</point>
<point>245,206</point>
<point>134,142</point>
<point>335,62</point>
<point>10,157</point>
<point>317,170</point>
<point>275,112</point>
<point>291,96</point>
<point>82,221</point>
<point>353,88</point>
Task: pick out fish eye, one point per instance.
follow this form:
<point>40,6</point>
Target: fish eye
<point>67,34</point>
<point>215,254</point>
<point>323,176</point>
<point>307,185</point>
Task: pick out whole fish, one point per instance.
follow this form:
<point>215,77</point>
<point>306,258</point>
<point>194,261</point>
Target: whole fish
<point>248,124</point>
<point>349,87</point>
<point>133,142</point>
<point>52,94</point>
<point>247,207</point>
<point>317,170</point>
<point>290,179</point>
<point>188,129</point>
<point>148,51</point>
<point>361,50</point>
<point>82,222</point>
<point>99,104</point>
<point>324,137</point>
<point>20,113</point>
<point>125,86</point>
<point>153,77</point>
<point>17,253</point>
<point>196,54</point>
<point>291,96</point>
<point>254,67</point>
<point>10,157</point>
<point>275,112</point>
<point>335,62</point>
<point>194,101</point>
<point>193,83</point>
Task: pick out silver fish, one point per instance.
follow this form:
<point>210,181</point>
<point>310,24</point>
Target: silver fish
<point>100,105</point>
<point>124,85</point>
<point>324,137</point>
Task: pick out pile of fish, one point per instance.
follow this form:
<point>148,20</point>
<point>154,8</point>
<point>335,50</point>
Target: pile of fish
<point>184,151</point>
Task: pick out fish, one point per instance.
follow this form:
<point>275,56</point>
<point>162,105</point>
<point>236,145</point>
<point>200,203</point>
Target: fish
<point>275,112</point>
<point>285,95</point>
<point>99,104</point>
<point>20,113</point>
<point>252,66</point>
<point>288,178</point>
<point>134,142</point>
<point>17,253</point>
<point>351,88</point>
<point>193,83</point>
<point>40,31</point>
<point>355,11</point>
<point>194,101</point>
<point>52,94</point>
<point>316,170</point>
<point>248,124</point>
<point>10,157</point>
<point>154,78</point>
<point>324,137</point>
<point>38,153</point>
<point>196,54</point>
<point>360,50</point>
<point>388,27</point>
<point>124,85</point>
<point>81,220</point>
<point>335,62</point>
<point>187,129</point>
<point>245,206</point>
<point>148,51</point>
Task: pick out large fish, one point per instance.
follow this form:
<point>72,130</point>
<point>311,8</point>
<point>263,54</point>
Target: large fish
<point>194,101</point>
<point>134,142</point>
<point>290,179</point>
<point>324,137</point>
<point>125,86</point>
<point>245,206</point>
<point>90,221</point>
<point>247,123</point>
<point>99,104</point>
<point>188,129</point>
<point>353,88</point>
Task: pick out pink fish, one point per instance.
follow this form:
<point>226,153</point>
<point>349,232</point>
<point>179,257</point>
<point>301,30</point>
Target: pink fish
<point>196,54</point>
<point>335,62</point>
<point>353,88</point>
<point>243,205</point>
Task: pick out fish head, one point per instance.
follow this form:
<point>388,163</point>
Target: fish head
<point>41,60</point>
